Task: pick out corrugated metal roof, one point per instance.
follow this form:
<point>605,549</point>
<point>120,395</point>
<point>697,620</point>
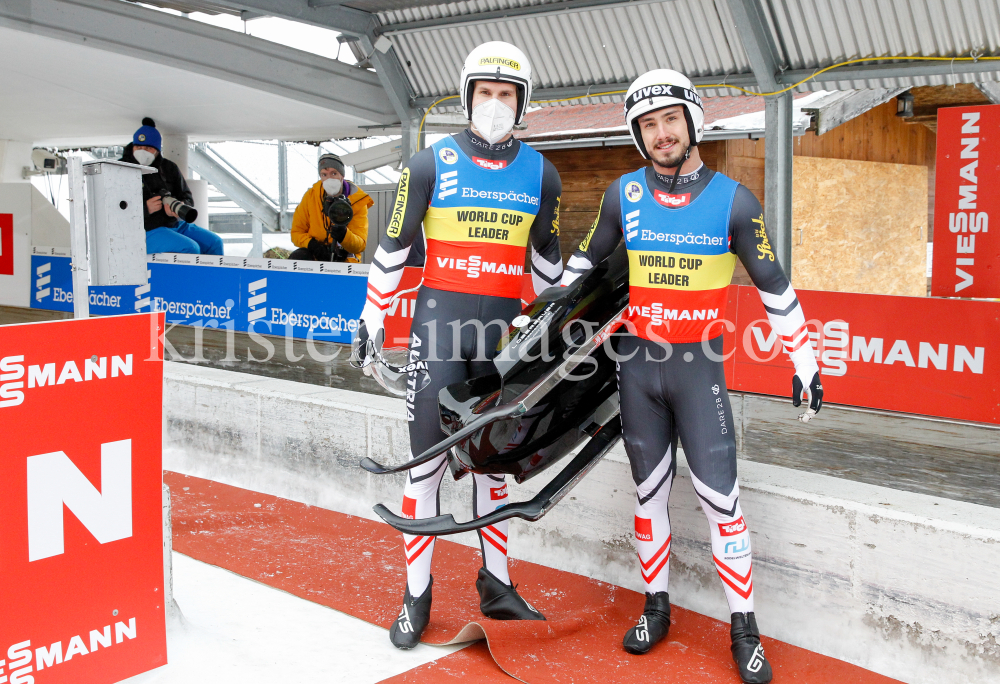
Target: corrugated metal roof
<point>615,44</point>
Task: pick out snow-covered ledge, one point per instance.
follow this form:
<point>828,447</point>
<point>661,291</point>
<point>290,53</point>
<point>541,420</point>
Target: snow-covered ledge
<point>896,582</point>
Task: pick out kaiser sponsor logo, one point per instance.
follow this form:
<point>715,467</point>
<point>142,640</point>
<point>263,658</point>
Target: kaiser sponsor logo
<point>672,200</point>
<point>491,164</point>
<point>643,529</point>
<point>733,528</point>
<point>17,376</point>
<point>498,493</point>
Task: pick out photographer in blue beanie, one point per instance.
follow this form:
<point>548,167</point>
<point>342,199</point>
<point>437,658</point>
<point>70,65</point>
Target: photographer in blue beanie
<point>168,201</point>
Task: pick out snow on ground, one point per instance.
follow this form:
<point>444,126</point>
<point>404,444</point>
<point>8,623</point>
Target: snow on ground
<point>240,244</point>
<point>237,631</point>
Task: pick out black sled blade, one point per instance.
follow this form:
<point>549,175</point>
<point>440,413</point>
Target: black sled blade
<point>445,444</point>
<point>532,510</point>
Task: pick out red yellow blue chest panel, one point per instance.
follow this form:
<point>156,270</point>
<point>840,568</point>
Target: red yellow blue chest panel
<point>479,221</point>
<point>680,265</point>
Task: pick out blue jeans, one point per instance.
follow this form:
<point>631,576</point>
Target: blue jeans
<point>183,238</point>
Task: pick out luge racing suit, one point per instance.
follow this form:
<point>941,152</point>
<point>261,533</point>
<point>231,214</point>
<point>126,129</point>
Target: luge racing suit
<point>481,205</point>
<point>682,249</point>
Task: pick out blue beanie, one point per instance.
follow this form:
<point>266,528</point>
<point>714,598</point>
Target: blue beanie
<point>147,134</point>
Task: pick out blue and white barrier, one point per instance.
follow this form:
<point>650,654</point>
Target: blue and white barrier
<point>269,296</point>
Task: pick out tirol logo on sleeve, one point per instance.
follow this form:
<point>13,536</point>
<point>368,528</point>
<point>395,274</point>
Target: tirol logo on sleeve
<point>498,493</point>
<point>643,529</point>
<point>733,528</point>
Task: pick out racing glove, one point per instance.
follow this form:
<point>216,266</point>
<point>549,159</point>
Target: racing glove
<point>318,250</point>
<point>813,395</point>
<point>362,347</point>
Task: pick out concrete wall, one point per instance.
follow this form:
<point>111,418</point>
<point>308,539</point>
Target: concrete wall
<point>894,581</point>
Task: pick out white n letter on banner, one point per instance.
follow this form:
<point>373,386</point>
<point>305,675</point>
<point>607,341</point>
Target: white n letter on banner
<point>53,480</point>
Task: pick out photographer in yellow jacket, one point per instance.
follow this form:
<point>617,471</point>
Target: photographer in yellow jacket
<point>331,221</point>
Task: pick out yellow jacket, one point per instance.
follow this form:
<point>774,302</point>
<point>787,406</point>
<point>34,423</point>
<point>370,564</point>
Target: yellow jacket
<point>309,222</point>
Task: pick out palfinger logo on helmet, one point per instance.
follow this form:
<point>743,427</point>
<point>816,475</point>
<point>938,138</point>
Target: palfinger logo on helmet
<point>661,88</point>
<point>500,61</point>
<point>496,61</point>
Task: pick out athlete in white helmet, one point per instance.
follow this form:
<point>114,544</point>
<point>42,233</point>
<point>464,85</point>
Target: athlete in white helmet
<point>482,197</point>
<point>684,225</point>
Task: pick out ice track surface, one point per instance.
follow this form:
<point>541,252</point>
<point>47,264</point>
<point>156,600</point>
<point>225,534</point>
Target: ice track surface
<point>237,631</point>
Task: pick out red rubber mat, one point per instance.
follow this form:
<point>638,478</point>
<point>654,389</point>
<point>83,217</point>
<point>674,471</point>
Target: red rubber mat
<point>471,665</point>
<point>357,566</point>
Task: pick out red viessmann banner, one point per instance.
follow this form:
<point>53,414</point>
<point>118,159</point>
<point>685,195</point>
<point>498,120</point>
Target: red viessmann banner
<point>81,543</point>
<point>935,357</point>
<point>966,198</point>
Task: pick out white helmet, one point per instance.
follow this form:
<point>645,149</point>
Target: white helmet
<point>661,88</point>
<point>496,61</point>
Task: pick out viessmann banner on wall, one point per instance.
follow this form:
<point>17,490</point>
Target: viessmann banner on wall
<point>966,198</point>
<point>81,544</point>
<point>934,357</point>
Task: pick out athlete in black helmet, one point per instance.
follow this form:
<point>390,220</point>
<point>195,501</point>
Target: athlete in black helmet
<point>482,197</point>
<point>684,226</point>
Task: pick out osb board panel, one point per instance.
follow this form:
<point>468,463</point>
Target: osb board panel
<point>863,227</point>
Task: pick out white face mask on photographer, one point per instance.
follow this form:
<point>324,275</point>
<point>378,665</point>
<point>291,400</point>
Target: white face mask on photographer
<point>493,120</point>
<point>144,157</point>
<point>333,186</point>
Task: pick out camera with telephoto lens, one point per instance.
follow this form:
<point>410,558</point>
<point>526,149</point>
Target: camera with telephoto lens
<point>339,212</point>
<point>185,212</point>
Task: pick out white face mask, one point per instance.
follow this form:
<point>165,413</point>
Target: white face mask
<point>493,120</point>
<point>144,157</point>
<point>333,186</point>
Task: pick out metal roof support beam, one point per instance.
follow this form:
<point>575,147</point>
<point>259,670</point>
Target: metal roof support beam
<point>778,176</point>
<point>344,19</point>
<point>870,72</point>
<point>592,91</point>
<point>755,34</point>
<point>758,43</point>
<point>233,187</point>
<point>350,22</point>
<point>561,8</point>
<point>126,29</point>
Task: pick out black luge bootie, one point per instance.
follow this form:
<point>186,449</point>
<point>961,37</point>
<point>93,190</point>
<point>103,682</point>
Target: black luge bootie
<point>748,652</point>
<point>500,601</point>
<point>653,624</point>
<point>413,618</point>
